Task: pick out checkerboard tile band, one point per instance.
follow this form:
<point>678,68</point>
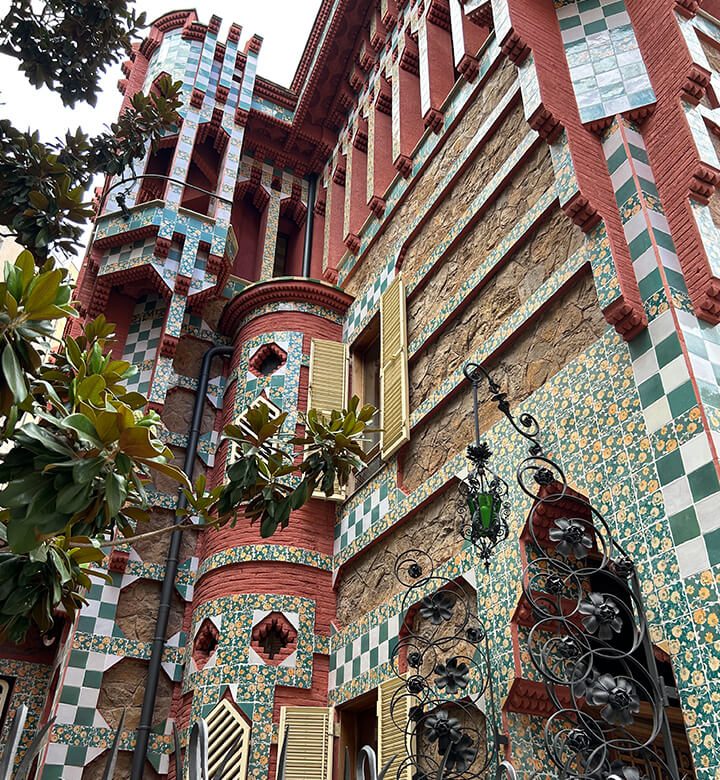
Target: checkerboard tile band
<point>143,339</point>
<point>366,304</point>
<point>675,361</point>
<point>360,518</point>
<point>606,65</point>
<point>365,652</point>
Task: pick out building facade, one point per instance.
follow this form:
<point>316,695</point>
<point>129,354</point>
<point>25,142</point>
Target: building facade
<point>526,184</point>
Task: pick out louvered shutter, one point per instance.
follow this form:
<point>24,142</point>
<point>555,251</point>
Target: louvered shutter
<point>394,398</point>
<point>392,737</point>
<point>328,387</point>
<point>241,422</point>
<point>308,752</point>
<point>228,742</point>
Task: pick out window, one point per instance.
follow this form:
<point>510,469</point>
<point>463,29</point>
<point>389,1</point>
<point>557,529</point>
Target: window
<point>305,743</point>
<point>281,255</point>
<point>228,742</point>
<point>366,374</point>
<point>394,384</point>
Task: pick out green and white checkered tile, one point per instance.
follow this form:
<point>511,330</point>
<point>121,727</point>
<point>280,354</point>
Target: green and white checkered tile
<point>365,652</point>
<point>119,258</point>
<point>367,303</point>
<point>606,65</point>
<point>143,339</point>
<point>360,518</point>
<point>674,356</point>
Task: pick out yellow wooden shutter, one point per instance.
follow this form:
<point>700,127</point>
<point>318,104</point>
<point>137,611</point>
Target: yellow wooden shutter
<point>309,748</point>
<point>392,737</point>
<point>327,388</point>
<point>394,398</point>
<point>228,742</point>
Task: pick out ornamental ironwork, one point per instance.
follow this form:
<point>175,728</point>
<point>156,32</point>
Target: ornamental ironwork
<point>589,641</point>
<point>445,706</point>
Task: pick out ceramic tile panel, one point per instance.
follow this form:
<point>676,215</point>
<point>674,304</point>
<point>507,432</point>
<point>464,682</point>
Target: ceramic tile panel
<point>606,65</point>
<point>363,511</point>
<point>674,360</point>
<point>143,338</point>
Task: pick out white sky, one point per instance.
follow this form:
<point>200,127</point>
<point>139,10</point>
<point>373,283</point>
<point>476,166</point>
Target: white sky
<point>284,25</point>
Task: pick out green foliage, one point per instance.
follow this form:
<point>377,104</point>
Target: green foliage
<point>43,185</point>
<point>268,483</point>
<point>66,45</point>
<point>31,303</point>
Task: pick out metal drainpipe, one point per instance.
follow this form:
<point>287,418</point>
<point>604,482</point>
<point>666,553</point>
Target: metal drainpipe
<point>171,567</point>
<point>309,223</point>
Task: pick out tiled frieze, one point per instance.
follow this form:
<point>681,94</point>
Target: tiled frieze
<point>606,66</point>
<point>265,552</point>
<point>30,687</point>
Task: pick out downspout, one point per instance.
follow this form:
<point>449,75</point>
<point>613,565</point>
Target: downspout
<point>171,567</point>
<point>309,224</point>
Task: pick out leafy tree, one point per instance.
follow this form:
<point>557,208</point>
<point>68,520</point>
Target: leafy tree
<point>65,46</point>
<point>79,449</point>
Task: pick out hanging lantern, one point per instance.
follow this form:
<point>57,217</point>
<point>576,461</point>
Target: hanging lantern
<point>483,505</point>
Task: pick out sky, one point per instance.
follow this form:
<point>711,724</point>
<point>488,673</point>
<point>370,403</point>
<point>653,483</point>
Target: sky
<point>284,25</point>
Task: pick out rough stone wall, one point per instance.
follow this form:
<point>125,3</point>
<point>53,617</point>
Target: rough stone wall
<point>496,86</point>
<point>506,291</point>
<point>527,186</point>
<point>568,326</point>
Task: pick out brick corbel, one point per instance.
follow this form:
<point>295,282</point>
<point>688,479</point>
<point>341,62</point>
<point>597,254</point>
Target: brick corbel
<point>118,560</point>
<point>234,32</point>
<point>339,175</point>
<point>582,212</point>
<point>403,164</point>
<point>162,247</point>
<point>482,15</point>
<point>468,67</point>
<point>627,319</point>
<point>547,126</point>
<point>196,98</point>
<point>433,120</point>
<point>221,93</point>
<point>704,180</point>
<point>241,117</point>
<point>352,242</point>
<point>168,346</point>
<point>182,284</point>
<point>376,204</point>
<point>515,48</point>
<point>687,8</point>
<point>214,264</point>
<point>696,83</point>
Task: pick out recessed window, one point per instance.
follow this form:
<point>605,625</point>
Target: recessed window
<point>281,255</point>
<point>267,360</point>
<point>274,638</point>
<point>205,644</point>
<point>366,374</point>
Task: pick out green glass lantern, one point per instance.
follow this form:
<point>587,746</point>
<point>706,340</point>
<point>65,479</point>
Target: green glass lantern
<point>483,507</point>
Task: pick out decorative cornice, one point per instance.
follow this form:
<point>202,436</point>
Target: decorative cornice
<point>281,291</point>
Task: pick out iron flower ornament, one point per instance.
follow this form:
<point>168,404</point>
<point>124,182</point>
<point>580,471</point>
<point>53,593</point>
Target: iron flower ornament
<point>601,616</point>
<point>617,696</point>
<point>571,538</point>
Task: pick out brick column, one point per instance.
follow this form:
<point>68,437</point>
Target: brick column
<point>437,70</point>
<point>380,171</point>
<point>356,210</point>
<point>334,220</point>
<point>407,124</point>
<point>467,38</point>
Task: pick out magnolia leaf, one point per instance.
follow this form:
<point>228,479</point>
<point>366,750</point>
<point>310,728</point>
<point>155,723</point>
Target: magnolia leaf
<point>14,375</point>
